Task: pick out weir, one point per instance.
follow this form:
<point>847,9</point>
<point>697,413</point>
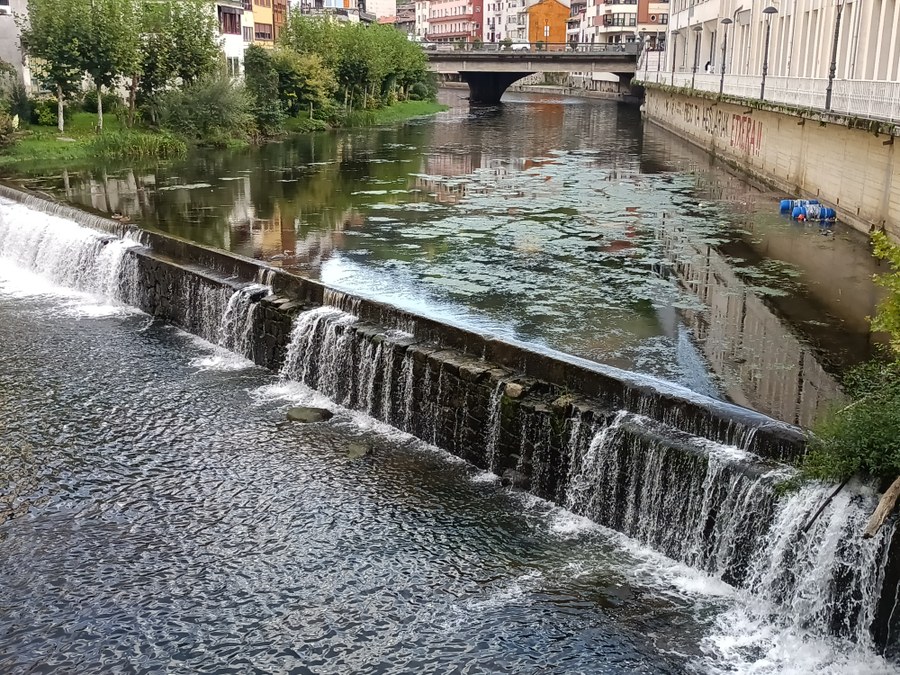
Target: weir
<point>694,478</point>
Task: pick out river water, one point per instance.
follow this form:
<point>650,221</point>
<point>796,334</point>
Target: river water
<point>558,221</point>
<point>158,514</point>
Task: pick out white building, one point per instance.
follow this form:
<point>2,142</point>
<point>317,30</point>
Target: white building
<point>10,46</point>
<point>800,37</point>
<point>423,7</point>
<point>231,35</point>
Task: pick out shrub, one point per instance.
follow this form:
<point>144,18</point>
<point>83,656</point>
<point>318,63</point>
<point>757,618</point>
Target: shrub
<point>419,92</point>
<point>44,111</point>
<point>863,437</point>
<point>138,145</point>
<point>7,130</point>
<point>211,112</point>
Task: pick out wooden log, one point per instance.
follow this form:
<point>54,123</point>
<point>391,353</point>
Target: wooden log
<point>883,510</point>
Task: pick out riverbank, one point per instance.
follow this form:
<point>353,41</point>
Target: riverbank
<point>81,140</point>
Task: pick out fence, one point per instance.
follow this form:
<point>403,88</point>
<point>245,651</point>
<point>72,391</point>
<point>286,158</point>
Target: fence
<point>873,99</point>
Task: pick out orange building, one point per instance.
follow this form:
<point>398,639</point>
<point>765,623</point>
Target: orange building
<point>547,23</point>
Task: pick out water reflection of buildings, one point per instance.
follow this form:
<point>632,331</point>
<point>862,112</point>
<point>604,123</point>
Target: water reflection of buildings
<point>761,363</point>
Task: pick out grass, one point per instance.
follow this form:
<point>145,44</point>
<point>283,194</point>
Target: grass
<point>137,145</point>
<point>81,140</point>
<point>399,111</point>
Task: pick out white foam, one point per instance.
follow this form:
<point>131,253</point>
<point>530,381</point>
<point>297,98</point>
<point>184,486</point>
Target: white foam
<point>746,640</point>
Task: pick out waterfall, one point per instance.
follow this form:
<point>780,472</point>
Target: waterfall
<point>66,253</point>
<point>827,576</point>
<point>716,509</point>
<point>317,351</point>
<point>240,318</point>
<point>708,504</point>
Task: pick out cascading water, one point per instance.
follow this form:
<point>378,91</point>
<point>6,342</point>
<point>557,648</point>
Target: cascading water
<point>707,504</point>
<point>66,253</point>
<point>239,319</point>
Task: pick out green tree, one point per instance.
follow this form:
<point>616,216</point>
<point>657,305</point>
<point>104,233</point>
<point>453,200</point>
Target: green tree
<point>262,85</point>
<point>54,35</point>
<point>178,42</point>
<point>112,48</point>
<point>304,81</point>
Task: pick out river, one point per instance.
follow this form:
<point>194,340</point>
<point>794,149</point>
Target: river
<point>158,514</point>
<point>558,221</point>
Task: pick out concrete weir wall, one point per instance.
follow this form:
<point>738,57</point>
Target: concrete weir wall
<point>850,164</point>
<point>648,459</point>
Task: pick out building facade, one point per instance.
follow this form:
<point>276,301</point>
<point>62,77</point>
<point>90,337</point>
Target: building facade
<point>547,23</point>
<point>423,14</point>
<point>455,20</point>
<point>800,38</point>
<point>10,38</point>
<point>229,14</point>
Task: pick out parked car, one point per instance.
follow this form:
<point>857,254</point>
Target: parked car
<point>520,47</point>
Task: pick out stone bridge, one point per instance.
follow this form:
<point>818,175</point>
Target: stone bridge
<point>490,69</point>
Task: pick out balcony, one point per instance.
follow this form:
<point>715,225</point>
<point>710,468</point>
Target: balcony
<point>455,17</point>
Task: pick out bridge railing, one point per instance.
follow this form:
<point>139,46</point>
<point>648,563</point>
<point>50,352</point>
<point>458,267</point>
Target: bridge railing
<point>535,47</point>
<point>871,99</point>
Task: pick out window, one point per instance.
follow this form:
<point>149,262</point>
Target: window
<point>233,66</point>
<point>248,5</point>
<point>229,21</point>
<point>263,31</point>
<point>664,18</point>
<point>248,33</point>
<point>262,3</point>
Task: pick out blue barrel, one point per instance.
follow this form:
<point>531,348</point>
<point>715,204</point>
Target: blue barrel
<point>796,211</point>
<point>789,204</point>
<point>828,213</point>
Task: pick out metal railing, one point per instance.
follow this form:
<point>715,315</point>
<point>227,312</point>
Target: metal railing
<point>626,48</point>
<point>873,99</point>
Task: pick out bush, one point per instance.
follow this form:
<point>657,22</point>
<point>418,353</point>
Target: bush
<point>863,437</point>
<point>7,130</point>
<point>44,111</point>
<point>138,145</point>
<point>111,102</point>
<point>419,92</point>
<point>211,112</point>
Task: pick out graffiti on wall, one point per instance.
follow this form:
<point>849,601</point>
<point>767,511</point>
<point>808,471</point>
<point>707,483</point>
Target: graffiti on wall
<point>741,132</point>
<point>746,134</point>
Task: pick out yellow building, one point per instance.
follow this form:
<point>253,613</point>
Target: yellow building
<point>263,23</point>
<point>547,23</point>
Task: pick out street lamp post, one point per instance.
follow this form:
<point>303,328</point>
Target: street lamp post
<point>696,30</point>
<point>674,54</point>
<point>834,47</point>
<point>725,22</point>
<point>768,11</point>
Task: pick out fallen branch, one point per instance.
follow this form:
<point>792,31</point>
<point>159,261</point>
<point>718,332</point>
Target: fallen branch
<point>818,513</point>
<point>883,510</point>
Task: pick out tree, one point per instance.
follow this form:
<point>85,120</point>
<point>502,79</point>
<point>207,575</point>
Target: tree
<point>178,41</point>
<point>304,81</point>
<point>112,48</point>
<point>54,36</point>
<point>262,85</point>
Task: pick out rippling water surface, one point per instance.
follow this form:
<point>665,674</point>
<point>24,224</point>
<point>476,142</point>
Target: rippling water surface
<point>562,222</point>
<point>158,514</point>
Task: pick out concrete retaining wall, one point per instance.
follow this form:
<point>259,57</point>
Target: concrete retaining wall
<point>851,166</point>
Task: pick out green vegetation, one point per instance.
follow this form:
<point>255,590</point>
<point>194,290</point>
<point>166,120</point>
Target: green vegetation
<point>165,55</point>
<point>132,144</point>
<point>864,436</point>
<point>395,113</point>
